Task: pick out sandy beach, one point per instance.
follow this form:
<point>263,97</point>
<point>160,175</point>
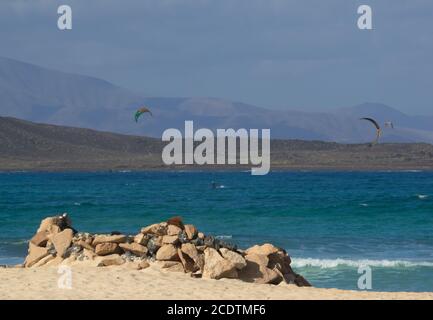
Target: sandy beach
<point>120,282</point>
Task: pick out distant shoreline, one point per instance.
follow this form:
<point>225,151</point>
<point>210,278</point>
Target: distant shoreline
<point>214,169</point>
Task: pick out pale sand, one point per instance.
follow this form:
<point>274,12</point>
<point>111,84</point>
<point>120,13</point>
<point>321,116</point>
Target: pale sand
<point>154,283</point>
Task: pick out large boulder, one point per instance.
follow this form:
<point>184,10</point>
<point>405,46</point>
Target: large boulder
<point>40,239</point>
<point>108,248</point>
<point>191,231</point>
<point>191,251</point>
<point>258,258</point>
<point>167,252</point>
<point>265,249</point>
<point>110,260</point>
<point>170,239</point>
<point>141,239</point>
<point>49,224</point>
<point>62,241</point>
<point>35,254</point>
<point>173,266</point>
<point>173,230</point>
<point>234,258</point>
<point>159,229</point>
<point>216,267</point>
<point>134,248</point>
<point>117,238</point>
<point>253,272</point>
<point>188,264</point>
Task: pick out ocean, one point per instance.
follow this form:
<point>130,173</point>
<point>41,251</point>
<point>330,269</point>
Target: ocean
<point>330,223</point>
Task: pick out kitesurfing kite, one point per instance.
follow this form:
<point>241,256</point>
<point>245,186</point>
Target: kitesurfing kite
<point>378,130</point>
<point>140,112</point>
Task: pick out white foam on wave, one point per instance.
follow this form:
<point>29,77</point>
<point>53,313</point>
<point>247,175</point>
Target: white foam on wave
<point>334,263</point>
<point>422,196</point>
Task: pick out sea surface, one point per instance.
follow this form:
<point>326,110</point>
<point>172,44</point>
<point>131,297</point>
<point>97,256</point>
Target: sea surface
<point>331,223</point>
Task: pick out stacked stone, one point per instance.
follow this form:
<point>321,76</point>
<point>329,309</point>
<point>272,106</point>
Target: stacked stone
<point>172,245</point>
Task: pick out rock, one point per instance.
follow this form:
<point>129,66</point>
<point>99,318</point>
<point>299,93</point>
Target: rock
<point>191,231</point>
<point>134,248</point>
<point>143,264</point>
<point>173,230</point>
<point>300,281</point>
<point>89,254</point>
<point>257,258</point>
<point>103,249</point>
<point>55,262</point>
<point>281,261</point>
<point>201,248</point>
<point>159,229</point>
<point>210,242</point>
<point>188,264</point>
<point>35,254</point>
<point>84,245</point>
<point>141,239</point>
<point>177,221</point>
<point>40,239</point>
<point>167,252</point>
<point>47,223</point>
<point>183,238</point>
<point>170,239</point>
<point>110,260</point>
<point>118,238</point>
<point>173,266</point>
<point>234,257</point>
<point>44,261</point>
<point>228,245</point>
<point>62,222</point>
<point>200,235</point>
<point>197,242</point>
<point>216,267</point>
<point>265,249</point>
<point>256,273</point>
<point>62,241</point>
<point>190,250</point>
<point>154,244</point>
<point>73,250</point>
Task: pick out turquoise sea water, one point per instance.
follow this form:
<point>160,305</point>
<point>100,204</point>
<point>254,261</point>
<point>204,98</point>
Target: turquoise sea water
<point>329,222</point>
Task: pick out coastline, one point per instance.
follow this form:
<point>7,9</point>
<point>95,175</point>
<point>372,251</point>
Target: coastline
<point>120,282</point>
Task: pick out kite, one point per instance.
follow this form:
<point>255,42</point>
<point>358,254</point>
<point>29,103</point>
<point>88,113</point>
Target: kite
<point>378,130</point>
<point>140,112</point>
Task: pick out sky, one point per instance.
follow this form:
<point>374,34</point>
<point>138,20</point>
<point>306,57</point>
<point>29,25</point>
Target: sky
<point>305,54</point>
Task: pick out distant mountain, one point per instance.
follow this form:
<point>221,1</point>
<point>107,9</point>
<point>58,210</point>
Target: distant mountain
<point>42,95</point>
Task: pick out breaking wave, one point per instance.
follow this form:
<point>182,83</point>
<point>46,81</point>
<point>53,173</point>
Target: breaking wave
<point>334,263</point>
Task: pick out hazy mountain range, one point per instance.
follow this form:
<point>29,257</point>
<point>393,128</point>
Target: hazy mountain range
<point>42,95</point>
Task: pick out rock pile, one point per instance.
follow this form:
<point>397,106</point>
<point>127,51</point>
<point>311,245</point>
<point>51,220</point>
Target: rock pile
<point>172,245</point>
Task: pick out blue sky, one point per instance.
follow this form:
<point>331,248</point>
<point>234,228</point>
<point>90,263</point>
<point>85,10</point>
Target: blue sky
<point>303,54</point>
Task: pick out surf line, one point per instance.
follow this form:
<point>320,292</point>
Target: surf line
<point>199,147</point>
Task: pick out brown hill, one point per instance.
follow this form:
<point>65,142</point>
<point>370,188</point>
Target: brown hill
<point>30,146</point>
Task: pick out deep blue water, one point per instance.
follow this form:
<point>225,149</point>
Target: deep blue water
<point>329,222</point>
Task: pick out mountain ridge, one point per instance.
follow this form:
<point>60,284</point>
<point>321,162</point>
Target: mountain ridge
<point>45,95</point>
<point>25,145</point>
